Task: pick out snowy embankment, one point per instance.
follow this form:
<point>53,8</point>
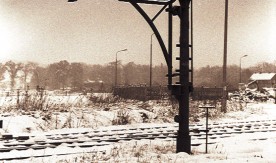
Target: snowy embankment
<point>80,117</point>
<point>250,147</point>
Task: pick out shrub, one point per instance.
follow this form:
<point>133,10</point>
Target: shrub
<point>122,118</point>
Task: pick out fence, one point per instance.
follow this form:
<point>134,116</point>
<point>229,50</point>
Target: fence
<point>141,92</point>
<point>206,93</point>
<point>162,92</point>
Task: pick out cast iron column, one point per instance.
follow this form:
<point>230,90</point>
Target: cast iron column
<point>183,139</point>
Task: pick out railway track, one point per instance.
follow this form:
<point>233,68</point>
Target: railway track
<point>65,143</point>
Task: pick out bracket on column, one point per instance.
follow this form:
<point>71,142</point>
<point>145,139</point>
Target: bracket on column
<point>166,52</point>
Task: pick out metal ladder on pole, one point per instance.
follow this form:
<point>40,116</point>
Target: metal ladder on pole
<point>191,69</point>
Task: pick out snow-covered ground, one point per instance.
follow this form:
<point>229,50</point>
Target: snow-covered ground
<point>248,147</point>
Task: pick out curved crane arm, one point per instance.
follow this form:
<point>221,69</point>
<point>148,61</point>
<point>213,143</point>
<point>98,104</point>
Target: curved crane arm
<point>153,27</point>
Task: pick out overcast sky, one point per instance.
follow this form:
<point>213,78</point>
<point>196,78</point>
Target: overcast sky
<point>92,31</point>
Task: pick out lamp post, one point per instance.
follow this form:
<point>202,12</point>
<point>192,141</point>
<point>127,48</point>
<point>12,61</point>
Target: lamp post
<point>116,65</point>
<point>151,63</point>
<point>240,66</point>
<point>151,60</point>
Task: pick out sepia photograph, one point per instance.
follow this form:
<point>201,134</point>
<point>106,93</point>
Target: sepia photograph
<point>137,81</point>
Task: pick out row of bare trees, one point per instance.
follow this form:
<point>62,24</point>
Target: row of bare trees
<point>17,70</point>
<point>63,74</point>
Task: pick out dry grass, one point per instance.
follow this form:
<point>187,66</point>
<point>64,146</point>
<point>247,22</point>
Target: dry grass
<point>64,112</point>
<point>132,152</point>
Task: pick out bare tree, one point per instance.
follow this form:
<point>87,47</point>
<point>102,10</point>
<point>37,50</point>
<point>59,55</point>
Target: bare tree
<point>27,69</point>
<point>62,72</point>
<point>13,69</point>
<point>76,75</point>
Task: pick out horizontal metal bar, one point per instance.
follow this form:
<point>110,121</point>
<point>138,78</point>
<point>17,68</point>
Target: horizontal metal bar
<point>155,2</point>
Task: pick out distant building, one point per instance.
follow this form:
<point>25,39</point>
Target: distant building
<point>94,86</point>
<point>262,80</point>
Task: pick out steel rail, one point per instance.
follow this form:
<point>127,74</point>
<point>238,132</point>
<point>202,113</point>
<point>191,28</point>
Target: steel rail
<point>93,139</point>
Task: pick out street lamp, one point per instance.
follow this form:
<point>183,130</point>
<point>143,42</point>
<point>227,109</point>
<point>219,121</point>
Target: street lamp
<point>151,63</point>
<point>240,66</point>
<point>151,60</point>
<point>116,65</point>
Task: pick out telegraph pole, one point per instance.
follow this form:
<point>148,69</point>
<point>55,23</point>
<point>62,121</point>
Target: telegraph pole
<point>225,58</point>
